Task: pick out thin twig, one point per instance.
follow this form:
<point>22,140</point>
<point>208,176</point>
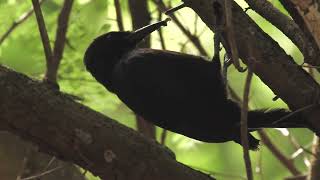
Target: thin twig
<point>315,165</point>
<point>49,163</point>
<point>300,177</point>
<point>23,166</point>
<point>297,146</point>
<point>18,22</point>
<point>259,165</point>
<point>286,162</point>
<point>119,15</point>
<point>195,40</point>
<point>163,137</point>
<point>162,42</point>
<point>172,10</point>
<point>62,29</point>
<point>244,125</point>
<point>295,112</point>
<point>230,36</point>
<point>60,41</point>
<point>213,173</point>
<point>42,174</point>
<point>287,25</point>
<point>43,31</point>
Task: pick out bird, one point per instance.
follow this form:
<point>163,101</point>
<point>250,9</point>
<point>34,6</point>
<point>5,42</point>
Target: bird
<point>179,92</point>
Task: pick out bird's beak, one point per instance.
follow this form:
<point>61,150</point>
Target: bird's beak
<point>174,9</point>
<point>141,33</point>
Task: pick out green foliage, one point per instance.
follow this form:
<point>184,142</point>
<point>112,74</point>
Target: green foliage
<point>23,51</point>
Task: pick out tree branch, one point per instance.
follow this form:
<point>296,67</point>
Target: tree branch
<point>314,170</point>
<point>119,15</point>
<point>195,41</point>
<point>291,83</point>
<point>61,32</point>
<point>301,17</point>
<point>73,132</point>
<point>309,49</point>
<point>286,162</point>
<point>244,125</point>
<point>43,32</point>
<point>16,23</point>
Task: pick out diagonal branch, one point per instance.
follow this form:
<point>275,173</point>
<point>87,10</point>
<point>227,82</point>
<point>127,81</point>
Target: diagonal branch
<point>274,67</point>
<point>286,162</point>
<point>16,23</point>
<point>195,40</point>
<point>285,24</point>
<point>61,32</point>
<point>314,170</point>
<point>75,133</point>
<point>307,22</point>
<point>43,32</point>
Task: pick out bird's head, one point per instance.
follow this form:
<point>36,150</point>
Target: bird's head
<point>107,50</point>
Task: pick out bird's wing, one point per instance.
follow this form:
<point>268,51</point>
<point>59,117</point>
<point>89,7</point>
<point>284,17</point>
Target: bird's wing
<point>150,80</point>
<point>167,74</point>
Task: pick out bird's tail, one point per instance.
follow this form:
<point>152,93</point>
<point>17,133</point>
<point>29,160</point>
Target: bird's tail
<point>276,118</point>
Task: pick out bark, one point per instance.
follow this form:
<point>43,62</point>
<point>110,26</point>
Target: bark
<point>14,151</point>
<point>274,67</point>
<point>306,14</point>
<point>73,132</point>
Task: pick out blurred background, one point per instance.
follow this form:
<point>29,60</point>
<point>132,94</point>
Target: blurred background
<point>21,49</point>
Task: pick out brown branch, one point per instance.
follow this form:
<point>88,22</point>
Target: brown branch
<point>72,132</point>
<point>43,32</point>
<point>221,174</point>
<point>287,26</point>
<point>43,173</point>
<point>162,42</point>
<point>163,137</point>
<point>292,84</point>
<point>61,33</point>
<point>195,40</point>
<point>315,162</point>
<point>119,15</point>
<point>18,22</point>
<point>229,29</point>
<point>299,177</point>
<point>297,15</point>
<point>244,125</point>
<point>286,162</point>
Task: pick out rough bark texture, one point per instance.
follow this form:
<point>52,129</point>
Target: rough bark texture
<point>301,15</point>
<point>13,152</point>
<point>289,27</point>
<point>274,67</point>
<point>73,132</point>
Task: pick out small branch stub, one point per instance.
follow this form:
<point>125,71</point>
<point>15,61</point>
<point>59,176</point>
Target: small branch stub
<point>109,156</point>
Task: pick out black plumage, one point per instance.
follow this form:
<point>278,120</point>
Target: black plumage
<point>179,92</point>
